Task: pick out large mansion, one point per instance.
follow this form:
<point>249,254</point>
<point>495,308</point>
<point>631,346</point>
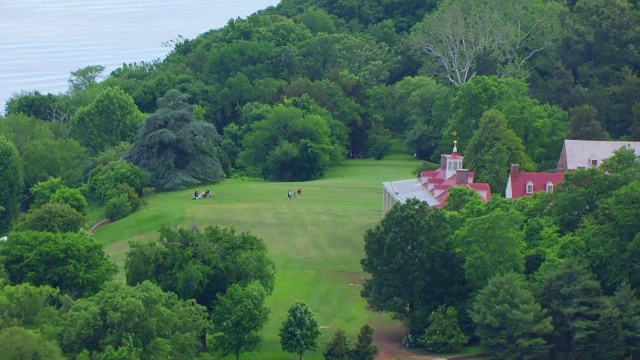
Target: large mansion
<point>433,186</point>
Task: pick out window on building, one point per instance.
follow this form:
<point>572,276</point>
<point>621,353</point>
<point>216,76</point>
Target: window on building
<point>530,188</point>
<point>449,165</point>
<point>549,187</point>
<point>594,162</point>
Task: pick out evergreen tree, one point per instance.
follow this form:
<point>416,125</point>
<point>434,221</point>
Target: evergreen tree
<point>509,322</point>
<point>364,348</point>
<point>493,148</point>
<point>443,334</point>
<point>572,296</point>
<point>607,341</point>
<point>175,148</point>
<point>338,348</point>
<point>627,303</point>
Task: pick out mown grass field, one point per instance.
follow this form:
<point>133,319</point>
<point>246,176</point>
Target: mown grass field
<point>316,242</point>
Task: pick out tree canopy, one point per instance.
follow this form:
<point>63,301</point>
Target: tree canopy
<point>413,265</point>
<point>11,183</point>
<point>289,145</point>
<point>300,330</point>
<point>510,323</point>
<point>238,318</point>
<point>203,264</point>
<point>140,320</point>
<point>175,148</point>
<point>73,262</point>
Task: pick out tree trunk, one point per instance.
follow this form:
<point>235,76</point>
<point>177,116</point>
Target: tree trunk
<point>203,340</point>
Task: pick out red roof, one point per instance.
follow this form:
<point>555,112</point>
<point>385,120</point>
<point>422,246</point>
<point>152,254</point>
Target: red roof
<point>538,179</point>
<point>437,180</point>
<point>482,187</point>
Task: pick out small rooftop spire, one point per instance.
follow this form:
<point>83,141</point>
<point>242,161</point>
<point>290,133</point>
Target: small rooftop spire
<point>455,146</point>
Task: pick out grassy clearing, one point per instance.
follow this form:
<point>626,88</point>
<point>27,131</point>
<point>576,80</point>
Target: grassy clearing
<point>316,242</point>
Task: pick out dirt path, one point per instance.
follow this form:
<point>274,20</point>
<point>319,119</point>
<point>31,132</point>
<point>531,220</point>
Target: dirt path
<point>389,342</point>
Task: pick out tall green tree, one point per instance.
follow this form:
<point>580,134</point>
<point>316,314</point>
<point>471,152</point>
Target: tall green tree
<point>71,197</point>
<point>493,148</point>
<point>473,99</point>
<point>509,321</point>
<point>43,191</point>
<point>608,338</point>
<point>492,244</point>
<point>200,264</point>
<point>300,330</point>
<point>104,180</point>
<point>20,343</point>
<point>33,104</point>
<point>364,349</point>
<point>338,348</point>
<point>175,148</point>
<point>31,307</point>
<point>11,183</point>
<point>53,217</point>
<point>74,263</point>
<point>111,118</point>
<point>289,145</point>
<point>22,129</point>
<point>238,319</point>
<point>585,125</point>
<point>58,158</point>
<point>85,77</point>
<point>413,265</point>
<point>612,235</point>
<point>141,319</point>
<point>444,334</point>
<point>572,297</point>
<point>626,302</point>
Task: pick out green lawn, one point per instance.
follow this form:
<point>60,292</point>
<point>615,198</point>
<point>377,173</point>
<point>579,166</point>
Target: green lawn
<point>316,242</point>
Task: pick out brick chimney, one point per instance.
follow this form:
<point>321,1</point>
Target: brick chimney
<point>515,169</point>
<point>462,176</point>
<point>443,162</point>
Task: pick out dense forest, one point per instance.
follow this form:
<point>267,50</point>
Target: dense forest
<point>294,89</point>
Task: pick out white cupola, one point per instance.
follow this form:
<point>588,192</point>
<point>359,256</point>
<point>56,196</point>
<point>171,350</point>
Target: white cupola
<point>454,161</point>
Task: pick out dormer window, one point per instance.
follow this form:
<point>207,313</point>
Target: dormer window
<point>594,162</point>
<point>549,187</point>
<point>530,187</point>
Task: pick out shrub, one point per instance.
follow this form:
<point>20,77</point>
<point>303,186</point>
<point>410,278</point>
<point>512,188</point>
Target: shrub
<point>44,190</point>
<point>444,334</point>
<point>104,179</point>
<point>71,197</point>
<point>118,207</point>
<point>132,196</point>
<point>52,217</point>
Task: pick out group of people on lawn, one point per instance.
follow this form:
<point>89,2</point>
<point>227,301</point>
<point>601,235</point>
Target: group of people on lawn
<point>293,195</point>
<point>201,195</point>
